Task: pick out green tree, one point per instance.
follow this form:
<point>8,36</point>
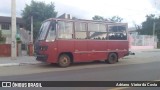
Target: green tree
<point>40,12</point>
<point>97,17</point>
<point>147,26</point>
<point>113,19</point>
<point>2,39</point>
<point>116,19</point>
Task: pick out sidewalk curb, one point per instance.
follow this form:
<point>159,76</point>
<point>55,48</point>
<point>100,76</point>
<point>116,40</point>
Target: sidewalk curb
<point>142,51</point>
<point>30,63</point>
<point>19,64</point>
<point>9,64</point>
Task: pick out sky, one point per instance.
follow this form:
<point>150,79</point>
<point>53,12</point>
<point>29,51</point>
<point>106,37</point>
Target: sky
<point>132,11</point>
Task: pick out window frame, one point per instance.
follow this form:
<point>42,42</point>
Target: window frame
<point>98,29</point>
<point>106,30</point>
<point>4,25</point>
<point>42,28</point>
<point>50,27</point>
<point>58,30</point>
<point>118,24</point>
<point>86,29</point>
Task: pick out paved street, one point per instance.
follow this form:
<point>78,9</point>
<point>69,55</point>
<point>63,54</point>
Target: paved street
<point>144,66</point>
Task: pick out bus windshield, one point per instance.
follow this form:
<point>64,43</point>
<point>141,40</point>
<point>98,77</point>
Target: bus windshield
<point>52,32</point>
<point>43,30</point>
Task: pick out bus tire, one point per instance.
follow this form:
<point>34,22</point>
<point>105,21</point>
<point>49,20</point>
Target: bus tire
<point>112,58</point>
<point>64,60</point>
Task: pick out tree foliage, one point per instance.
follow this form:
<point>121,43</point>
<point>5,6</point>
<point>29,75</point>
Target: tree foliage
<point>113,19</point>
<point>116,19</point>
<point>147,26</point>
<point>2,39</point>
<point>97,17</point>
<point>40,12</point>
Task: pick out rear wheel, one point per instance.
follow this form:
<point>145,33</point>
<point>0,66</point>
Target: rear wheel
<point>112,58</point>
<point>64,60</point>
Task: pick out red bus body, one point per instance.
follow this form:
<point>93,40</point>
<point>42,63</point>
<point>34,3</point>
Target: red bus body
<point>81,50</point>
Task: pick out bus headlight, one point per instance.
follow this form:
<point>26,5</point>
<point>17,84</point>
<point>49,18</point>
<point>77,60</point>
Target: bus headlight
<point>43,48</point>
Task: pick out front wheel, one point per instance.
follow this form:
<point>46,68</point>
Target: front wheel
<point>64,60</point>
<point>112,58</point>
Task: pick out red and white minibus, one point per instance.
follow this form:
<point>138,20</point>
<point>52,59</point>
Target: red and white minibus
<point>66,41</point>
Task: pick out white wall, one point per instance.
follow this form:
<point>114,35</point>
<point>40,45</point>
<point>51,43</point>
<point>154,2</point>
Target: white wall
<point>142,41</point>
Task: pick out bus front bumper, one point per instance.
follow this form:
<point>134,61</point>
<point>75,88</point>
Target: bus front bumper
<point>42,58</point>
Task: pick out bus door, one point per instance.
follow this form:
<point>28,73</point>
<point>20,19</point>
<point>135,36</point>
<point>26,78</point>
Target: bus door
<point>81,48</point>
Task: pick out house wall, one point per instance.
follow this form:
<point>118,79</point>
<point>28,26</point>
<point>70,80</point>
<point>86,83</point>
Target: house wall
<point>142,41</point>
<point>5,50</point>
<point>7,33</point>
<point>141,47</point>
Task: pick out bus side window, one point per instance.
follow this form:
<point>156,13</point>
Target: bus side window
<point>97,31</point>
<point>65,30</point>
<point>117,32</point>
<point>80,30</point>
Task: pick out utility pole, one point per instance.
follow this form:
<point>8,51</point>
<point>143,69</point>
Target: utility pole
<point>13,31</point>
<point>32,29</point>
<point>154,25</point>
<point>31,46</point>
